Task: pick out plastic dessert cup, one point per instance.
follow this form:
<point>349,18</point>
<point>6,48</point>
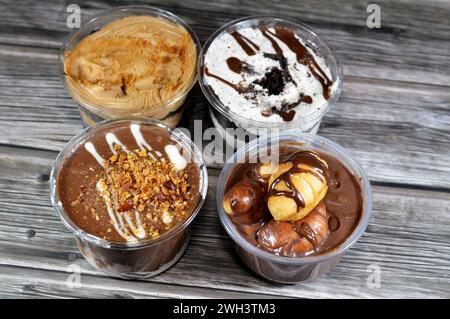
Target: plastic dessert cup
<point>292,269</point>
<point>140,259</point>
<point>170,111</point>
<point>223,117</point>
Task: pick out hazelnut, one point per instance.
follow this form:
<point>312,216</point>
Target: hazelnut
<point>242,197</point>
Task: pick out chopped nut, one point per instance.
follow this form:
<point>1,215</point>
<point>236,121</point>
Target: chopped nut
<point>153,187</point>
<point>75,202</point>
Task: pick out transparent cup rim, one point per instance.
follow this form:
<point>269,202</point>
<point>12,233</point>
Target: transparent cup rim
<point>186,142</point>
<point>140,10</point>
<point>295,136</point>
<point>225,111</point>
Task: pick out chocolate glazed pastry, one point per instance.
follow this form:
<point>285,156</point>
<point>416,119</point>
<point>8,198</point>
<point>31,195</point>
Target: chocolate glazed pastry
<point>128,190</point>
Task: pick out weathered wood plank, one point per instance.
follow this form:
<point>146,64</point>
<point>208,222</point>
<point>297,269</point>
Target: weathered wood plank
<point>408,238</point>
<point>39,283</point>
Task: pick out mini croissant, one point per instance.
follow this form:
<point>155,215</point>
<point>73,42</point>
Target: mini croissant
<point>296,188</point>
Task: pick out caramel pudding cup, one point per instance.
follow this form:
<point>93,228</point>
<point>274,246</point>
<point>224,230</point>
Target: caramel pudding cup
<point>295,261</point>
<point>264,73</point>
<point>128,190</point>
<point>130,61</point>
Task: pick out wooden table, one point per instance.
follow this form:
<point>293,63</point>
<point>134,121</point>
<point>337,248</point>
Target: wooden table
<point>393,116</point>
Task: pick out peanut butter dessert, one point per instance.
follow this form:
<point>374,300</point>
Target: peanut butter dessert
<point>307,204</point>
<point>137,65</point>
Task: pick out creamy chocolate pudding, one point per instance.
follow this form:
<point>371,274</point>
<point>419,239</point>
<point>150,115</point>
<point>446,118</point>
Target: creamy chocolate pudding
<point>136,65</point>
<point>128,182</point>
<point>129,190</point>
<point>307,204</point>
<point>267,73</point>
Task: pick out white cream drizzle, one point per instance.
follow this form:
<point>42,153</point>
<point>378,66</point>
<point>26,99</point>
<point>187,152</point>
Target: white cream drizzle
<point>91,149</point>
<point>111,139</point>
<point>121,225</point>
<point>178,161</point>
<point>140,141</point>
<point>138,231</point>
<point>121,230</point>
<point>166,217</point>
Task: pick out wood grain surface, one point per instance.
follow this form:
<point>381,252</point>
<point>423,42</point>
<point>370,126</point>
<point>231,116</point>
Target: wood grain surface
<point>393,116</point>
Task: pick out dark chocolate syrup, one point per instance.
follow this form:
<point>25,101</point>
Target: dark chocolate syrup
<point>311,159</point>
<point>287,36</point>
<point>234,86</point>
<point>288,116</point>
<point>307,99</point>
<point>245,43</point>
<point>235,65</point>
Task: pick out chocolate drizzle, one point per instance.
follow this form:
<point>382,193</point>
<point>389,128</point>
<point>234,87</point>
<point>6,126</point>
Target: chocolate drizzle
<point>235,65</point>
<point>308,158</point>
<point>288,116</point>
<point>234,86</point>
<point>245,43</point>
<point>304,57</point>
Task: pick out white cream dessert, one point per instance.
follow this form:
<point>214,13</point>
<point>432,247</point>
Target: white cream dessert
<point>267,74</point>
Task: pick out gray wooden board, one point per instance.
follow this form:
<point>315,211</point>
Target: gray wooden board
<point>393,116</point>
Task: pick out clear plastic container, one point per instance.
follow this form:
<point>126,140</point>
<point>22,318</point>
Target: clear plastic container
<point>223,117</point>
<point>145,258</point>
<point>292,269</point>
<point>171,111</point>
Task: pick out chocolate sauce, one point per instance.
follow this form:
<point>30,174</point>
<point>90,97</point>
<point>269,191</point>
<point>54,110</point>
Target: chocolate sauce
<point>304,57</point>
<point>288,116</point>
<point>300,157</point>
<point>235,65</point>
<point>324,228</point>
<point>265,32</point>
<point>232,85</point>
<point>307,99</point>
<point>245,43</point>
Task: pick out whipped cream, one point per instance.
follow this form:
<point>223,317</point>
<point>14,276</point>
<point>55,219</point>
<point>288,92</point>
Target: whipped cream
<point>258,73</point>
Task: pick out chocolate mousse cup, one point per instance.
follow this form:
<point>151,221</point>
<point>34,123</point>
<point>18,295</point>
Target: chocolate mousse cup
<point>135,241</point>
<point>292,269</point>
<point>168,107</point>
<point>281,55</point>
